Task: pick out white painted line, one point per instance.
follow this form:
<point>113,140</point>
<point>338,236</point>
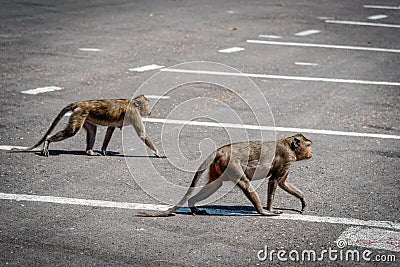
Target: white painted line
<point>335,220</point>
<point>306,64</point>
<point>270,36</point>
<point>370,238</point>
<point>41,90</point>
<point>283,77</point>
<point>82,202</point>
<point>381,7</point>
<point>90,49</point>
<point>325,18</point>
<point>361,48</point>
<point>147,68</point>
<point>139,206</point>
<point>10,147</point>
<point>157,97</point>
<point>231,50</point>
<point>270,128</point>
<point>308,32</point>
<point>361,23</point>
<point>376,17</point>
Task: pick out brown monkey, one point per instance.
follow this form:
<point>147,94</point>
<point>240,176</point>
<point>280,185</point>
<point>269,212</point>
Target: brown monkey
<point>87,114</point>
<point>242,162</point>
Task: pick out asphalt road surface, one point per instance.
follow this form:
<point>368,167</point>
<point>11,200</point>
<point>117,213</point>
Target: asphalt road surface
<point>328,69</point>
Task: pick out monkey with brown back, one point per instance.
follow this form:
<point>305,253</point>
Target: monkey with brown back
<point>90,113</point>
<point>243,162</point>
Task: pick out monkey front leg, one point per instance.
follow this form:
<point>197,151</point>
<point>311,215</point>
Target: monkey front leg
<point>141,132</point>
<point>291,189</point>
<point>146,139</point>
<point>272,185</point>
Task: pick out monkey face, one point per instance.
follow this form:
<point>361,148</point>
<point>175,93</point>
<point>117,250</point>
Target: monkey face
<point>145,109</point>
<point>142,103</point>
<point>308,150</point>
<point>301,147</point>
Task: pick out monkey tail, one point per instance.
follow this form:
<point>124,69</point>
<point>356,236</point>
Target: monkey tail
<point>189,192</point>
<point>64,111</point>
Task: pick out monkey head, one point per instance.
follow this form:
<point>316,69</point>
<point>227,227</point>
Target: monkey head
<point>142,103</point>
<point>301,147</point>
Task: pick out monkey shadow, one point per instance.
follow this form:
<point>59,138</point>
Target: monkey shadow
<point>83,153</point>
<point>63,152</point>
<point>228,210</point>
<point>117,154</point>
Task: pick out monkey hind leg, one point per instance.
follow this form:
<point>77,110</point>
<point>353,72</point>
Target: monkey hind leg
<point>90,138</point>
<point>61,135</point>
<point>74,125</point>
<point>204,193</point>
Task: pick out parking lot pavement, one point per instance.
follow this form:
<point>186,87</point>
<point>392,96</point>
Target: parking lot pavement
<point>214,72</point>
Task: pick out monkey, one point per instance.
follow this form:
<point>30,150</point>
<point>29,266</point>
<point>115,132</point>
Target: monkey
<point>90,113</point>
<point>243,162</point>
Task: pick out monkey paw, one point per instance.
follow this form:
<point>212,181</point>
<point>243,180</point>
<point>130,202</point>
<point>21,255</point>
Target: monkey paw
<point>158,155</point>
<point>91,153</point>
<point>303,205</point>
<point>45,152</point>
<point>271,213</point>
<point>196,211</point>
<point>276,212</point>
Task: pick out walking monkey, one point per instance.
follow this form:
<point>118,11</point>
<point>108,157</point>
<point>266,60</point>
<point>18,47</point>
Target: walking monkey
<point>242,162</point>
<point>90,113</point>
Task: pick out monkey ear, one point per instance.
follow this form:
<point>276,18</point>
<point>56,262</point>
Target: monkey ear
<point>136,103</point>
<point>295,144</point>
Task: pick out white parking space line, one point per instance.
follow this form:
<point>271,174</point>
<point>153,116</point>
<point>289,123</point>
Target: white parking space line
<point>139,206</point>
<point>41,90</point>
<point>362,23</point>
<point>307,33</point>
<point>270,36</point>
<point>325,18</point>
<point>4,147</point>
<point>370,238</point>
<point>306,64</point>
<point>345,47</point>
<point>376,17</point>
<point>284,77</point>
<point>382,7</point>
<point>231,50</point>
<point>82,202</point>
<point>90,49</point>
<point>270,128</point>
<point>147,68</point>
<point>157,96</point>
